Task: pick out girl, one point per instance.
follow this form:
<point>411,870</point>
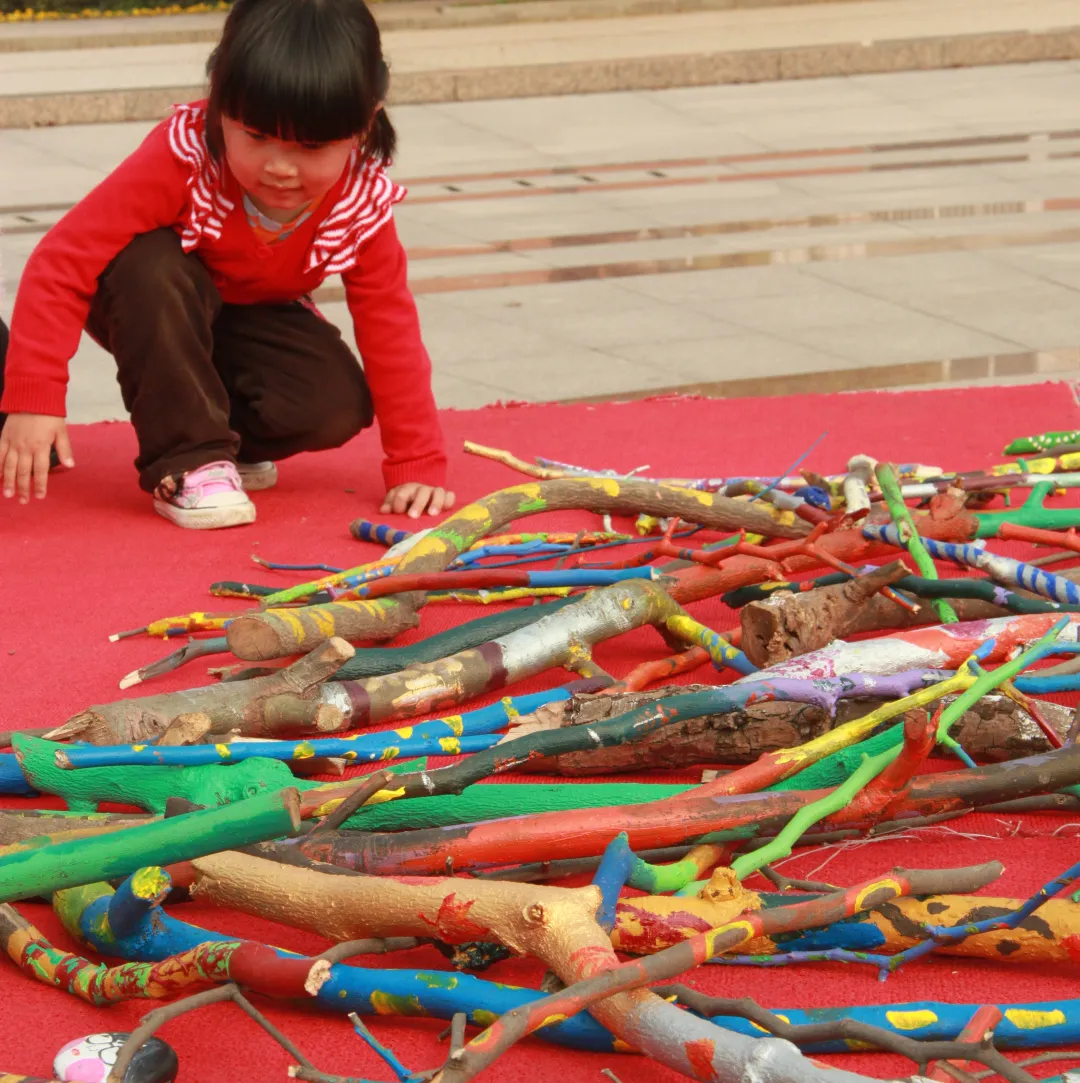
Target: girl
<point>193,264</point>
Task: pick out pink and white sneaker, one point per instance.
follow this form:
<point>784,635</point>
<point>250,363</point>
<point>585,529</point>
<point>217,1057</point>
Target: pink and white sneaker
<point>205,499</point>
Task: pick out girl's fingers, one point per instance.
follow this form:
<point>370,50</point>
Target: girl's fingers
<point>448,501</point>
<point>23,470</point>
<point>41,471</point>
<point>10,459</point>
<point>423,495</point>
<point>436,504</point>
<point>402,496</point>
<point>63,448</point>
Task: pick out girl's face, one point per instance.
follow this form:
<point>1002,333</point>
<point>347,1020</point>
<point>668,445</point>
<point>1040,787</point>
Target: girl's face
<point>282,177</point>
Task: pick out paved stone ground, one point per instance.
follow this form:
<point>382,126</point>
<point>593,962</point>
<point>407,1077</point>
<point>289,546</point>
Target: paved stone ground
<point>884,230</point>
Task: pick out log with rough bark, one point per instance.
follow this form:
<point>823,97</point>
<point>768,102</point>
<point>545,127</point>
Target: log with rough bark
<point>281,705</point>
<point>994,729</point>
<point>271,634</point>
<point>787,624</point>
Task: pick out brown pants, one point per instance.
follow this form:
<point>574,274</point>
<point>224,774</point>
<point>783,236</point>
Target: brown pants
<point>205,381</point>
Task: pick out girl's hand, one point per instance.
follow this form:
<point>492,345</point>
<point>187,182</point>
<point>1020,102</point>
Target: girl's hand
<point>25,443</point>
<point>414,498</point>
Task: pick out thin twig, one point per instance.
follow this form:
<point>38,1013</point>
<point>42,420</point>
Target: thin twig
<point>784,883</point>
<point>153,1021</point>
<point>1039,1058</point>
<point>349,949</point>
<point>356,800</point>
<point>846,1030</point>
<point>611,1075</point>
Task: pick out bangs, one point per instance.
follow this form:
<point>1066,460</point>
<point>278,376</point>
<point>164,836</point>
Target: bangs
<point>295,73</point>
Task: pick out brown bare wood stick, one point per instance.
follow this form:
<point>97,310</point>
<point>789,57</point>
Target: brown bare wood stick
<point>846,1030</point>
<point>355,800</point>
<point>1039,1058</point>
<point>787,623</point>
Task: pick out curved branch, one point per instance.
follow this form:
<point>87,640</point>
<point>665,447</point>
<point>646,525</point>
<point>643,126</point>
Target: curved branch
<point>270,635</point>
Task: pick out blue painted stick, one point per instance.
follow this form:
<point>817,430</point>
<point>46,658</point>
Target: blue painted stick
<point>441,995</point>
<point>365,530</point>
<point>1003,569</point>
<point>464,729</point>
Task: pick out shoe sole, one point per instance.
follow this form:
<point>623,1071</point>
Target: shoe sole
<point>206,518</point>
<point>263,479</point>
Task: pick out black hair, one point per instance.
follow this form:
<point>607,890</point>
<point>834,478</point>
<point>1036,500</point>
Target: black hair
<point>305,70</point>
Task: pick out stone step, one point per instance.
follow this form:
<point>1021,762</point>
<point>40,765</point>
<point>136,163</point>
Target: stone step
<point>179,29</point>
<point>695,48</point>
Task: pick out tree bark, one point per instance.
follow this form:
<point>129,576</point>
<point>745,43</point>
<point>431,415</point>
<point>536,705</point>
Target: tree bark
<point>993,730</point>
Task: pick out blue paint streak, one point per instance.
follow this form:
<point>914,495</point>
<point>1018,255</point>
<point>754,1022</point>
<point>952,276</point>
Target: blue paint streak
<point>611,875</point>
<point>12,780</point>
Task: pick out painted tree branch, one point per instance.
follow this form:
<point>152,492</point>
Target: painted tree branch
<point>636,724</point>
<point>271,635</point>
<point>847,1031</point>
<point>246,962</point>
<point>680,819</point>
<point>905,526</point>
<point>938,647</point>
<point>256,709</point>
<point>314,901</point>
<point>85,860</point>
<point>621,978</point>
<point>994,729</point>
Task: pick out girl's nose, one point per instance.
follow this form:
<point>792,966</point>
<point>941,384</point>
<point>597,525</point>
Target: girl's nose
<point>281,168</point>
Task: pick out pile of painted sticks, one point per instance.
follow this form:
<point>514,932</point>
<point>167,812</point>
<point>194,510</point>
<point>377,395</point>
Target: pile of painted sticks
<point>825,737</point>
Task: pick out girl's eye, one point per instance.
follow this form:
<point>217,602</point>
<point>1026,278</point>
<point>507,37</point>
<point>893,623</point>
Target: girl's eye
<point>312,146</point>
<point>258,137</point>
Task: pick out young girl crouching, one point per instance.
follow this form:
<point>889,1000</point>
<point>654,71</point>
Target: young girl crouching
<point>194,262</point>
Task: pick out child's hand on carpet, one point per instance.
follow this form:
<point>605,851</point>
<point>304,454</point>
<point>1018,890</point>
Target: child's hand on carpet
<point>25,443</point>
<point>414,498</point>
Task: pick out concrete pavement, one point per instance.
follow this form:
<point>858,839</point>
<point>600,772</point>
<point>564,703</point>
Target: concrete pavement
<point>885,230</point>
<point>570,56</point>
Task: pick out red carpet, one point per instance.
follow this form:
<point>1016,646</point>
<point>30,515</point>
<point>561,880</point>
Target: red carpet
<point>93,559</point>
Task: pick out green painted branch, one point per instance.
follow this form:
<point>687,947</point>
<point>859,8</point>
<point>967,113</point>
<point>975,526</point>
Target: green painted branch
<point>1033,512</point>
<point>496,801</point>
<point>85,861</point>
<point>165,842</point>
<point>905,525</point>
<point>274,635</point>
<point>988,680</point>
<point>806,817</point>
<point>151,787</point>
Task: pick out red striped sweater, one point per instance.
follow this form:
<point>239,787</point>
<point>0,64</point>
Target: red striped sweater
<point>171,181</point>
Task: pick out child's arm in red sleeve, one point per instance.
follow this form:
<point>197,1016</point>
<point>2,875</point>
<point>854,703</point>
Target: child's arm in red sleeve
<point>146,191</point>
<point>396,363</point>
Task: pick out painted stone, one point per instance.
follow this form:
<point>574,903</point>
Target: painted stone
<point>90,1059</point>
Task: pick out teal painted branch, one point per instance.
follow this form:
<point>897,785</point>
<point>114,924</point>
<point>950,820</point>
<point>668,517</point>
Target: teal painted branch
<point>29,873</point>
